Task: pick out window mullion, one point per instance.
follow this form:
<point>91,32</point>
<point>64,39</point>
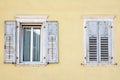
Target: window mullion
<point>31,46</point>
<point>99,43</point>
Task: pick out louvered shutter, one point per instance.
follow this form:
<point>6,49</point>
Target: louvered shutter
<point>10,42</point>
<point>52,41</point>
<point>91,41</point>
<point>105,47</point>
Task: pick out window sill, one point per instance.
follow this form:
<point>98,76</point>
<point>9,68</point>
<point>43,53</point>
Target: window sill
<point>98,64</point>
<point>32,64</point>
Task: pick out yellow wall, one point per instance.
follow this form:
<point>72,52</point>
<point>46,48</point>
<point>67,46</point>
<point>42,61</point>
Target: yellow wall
<point>71,47</point>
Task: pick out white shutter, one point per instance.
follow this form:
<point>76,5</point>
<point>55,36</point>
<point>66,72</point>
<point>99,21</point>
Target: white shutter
<point>105,38</point>
<point>52,41</point>
<point>10,42</point>
<point>91,41</point>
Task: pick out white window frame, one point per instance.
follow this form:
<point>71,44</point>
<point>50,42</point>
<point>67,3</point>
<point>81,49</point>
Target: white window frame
<point>96,18</point>
<point>32,19</point>
<point>31,46</point>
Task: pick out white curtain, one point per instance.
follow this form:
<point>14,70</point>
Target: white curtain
<point>26,44</point>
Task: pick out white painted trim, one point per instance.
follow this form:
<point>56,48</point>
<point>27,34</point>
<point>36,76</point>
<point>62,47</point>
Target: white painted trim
<point>84,37</point>
<point>21,51</point>
<point>43,42</point>
<point>32,63</point>
<point>31,18</point>
<point>42,47</point>
<point>112,44</point>
<point>18,50</point>
<point>98,64</point>
<point>98,17</point>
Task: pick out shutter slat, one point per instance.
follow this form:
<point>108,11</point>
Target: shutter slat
<point>104,49</point>
<point>10,42</point>
<point>92,49</point>
<point>52,41</point>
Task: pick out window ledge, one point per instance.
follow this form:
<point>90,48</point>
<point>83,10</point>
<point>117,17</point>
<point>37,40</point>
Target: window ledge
<point>98,64</point>
<point>32,64</point>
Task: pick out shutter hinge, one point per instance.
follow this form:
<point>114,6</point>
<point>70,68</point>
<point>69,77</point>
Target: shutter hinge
<point>111,26</point>
<point>16,57</point>
<point>82,64</point>
<point>47,62</point>
<point>116,64</point>
<point>84,57</point>
<point>13,62</point>
<point>4,46</point>
<point>85,26</point>
<point>44,57</point>
<point>111,57</point>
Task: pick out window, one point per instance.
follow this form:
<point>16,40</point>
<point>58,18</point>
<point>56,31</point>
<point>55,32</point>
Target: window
<point>31,43</point>
<point>32,40</point>
<point>98,40</point>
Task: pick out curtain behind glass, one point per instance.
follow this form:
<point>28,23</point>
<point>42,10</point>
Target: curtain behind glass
<point>36,44</point>
<point>26,44</point>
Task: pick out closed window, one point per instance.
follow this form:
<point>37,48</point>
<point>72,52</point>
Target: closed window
<point>98,41</point>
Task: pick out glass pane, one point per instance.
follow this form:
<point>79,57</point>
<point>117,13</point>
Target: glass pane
<point>26,44</point>
<point>36,44</point>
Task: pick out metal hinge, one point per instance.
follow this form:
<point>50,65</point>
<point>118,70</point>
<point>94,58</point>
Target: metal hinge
<point>111,26</point>
<point>111,57</point>
<point>16,57</point>
<point>16,26</point>
<point>85,26</point>
<point>4,46</point>
<point>44,57</point>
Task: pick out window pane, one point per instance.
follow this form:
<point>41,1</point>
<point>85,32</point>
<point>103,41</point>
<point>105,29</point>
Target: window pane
<point>36,44</point>
<point>26,44</point>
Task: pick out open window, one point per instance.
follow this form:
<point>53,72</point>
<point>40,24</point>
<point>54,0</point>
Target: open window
<point>31,40</point>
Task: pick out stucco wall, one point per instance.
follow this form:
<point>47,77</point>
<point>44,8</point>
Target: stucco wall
<point>71,47</point>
